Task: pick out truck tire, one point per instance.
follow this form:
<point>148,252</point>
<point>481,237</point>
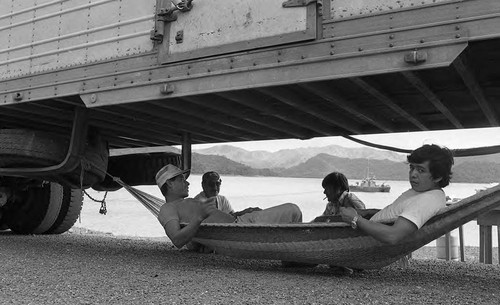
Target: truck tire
<point>136,169</point>
<point>30,148</point>
<point>27,148</point>
<point>49,209</point>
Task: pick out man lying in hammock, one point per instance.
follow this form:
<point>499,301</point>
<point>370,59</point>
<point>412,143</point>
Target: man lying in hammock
<point>179,209</point>
<point>430,171</point>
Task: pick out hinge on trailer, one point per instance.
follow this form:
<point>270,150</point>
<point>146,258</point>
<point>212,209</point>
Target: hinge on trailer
<point>165,15</point>
<point>295,3</point>
<point>169,15</point>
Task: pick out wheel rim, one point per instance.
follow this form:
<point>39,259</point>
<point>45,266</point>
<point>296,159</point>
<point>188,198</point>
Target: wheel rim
<point>53,209</point>
<point>50,209</point>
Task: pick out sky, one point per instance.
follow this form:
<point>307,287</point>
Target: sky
<point>453,139</point>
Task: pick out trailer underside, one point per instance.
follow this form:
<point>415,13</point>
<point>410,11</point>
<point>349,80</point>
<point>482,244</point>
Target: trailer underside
<point>461,95</point>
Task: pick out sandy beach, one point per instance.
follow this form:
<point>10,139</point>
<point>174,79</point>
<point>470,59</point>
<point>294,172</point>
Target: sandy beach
<point>87,267</point>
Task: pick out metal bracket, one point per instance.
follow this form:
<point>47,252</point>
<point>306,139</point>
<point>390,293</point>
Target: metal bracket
<point>156,36</point>
<point>165,15</point>
<point>296,3</point>
<point>76,150</point>
<point>168,14</point>
<point>416,57</point>
<point>179,36</point>
<point>167,89</point>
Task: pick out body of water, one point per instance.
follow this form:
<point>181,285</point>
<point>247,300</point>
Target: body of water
<point>127,216</point>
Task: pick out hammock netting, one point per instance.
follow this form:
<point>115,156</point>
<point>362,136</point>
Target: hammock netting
<point>152,203</point>
<point>326,243</point>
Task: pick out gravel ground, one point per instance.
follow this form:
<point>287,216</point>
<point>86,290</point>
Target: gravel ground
<point>85,267</point>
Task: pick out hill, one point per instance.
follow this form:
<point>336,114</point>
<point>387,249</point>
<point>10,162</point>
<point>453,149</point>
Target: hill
<point>204,163</point>
<point>287,158</point>
<point>479,172</point>
<point>323,164</point>
<point>468,171</point>
<point>317,162</point>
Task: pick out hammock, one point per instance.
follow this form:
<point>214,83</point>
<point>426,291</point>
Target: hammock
<point>152,203</point>
<point>326,243</point>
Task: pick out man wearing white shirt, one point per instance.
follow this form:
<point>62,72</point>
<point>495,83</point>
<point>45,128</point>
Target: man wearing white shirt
<point>430,171</point>
<point>211,183</point>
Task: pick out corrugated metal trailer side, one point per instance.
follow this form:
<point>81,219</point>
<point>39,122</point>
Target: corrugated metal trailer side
<point>40,36</point>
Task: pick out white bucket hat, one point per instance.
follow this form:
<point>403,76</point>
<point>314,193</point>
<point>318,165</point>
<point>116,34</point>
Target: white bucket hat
<point>167,172</point>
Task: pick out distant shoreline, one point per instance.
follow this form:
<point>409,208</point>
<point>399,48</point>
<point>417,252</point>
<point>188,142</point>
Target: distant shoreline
<point>493,183</point>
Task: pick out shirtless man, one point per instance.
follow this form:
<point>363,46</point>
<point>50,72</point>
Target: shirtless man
<point>179,209</point>
<point>430,171</point>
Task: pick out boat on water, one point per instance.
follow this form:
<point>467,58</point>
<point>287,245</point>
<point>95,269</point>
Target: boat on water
<point>369,184</point>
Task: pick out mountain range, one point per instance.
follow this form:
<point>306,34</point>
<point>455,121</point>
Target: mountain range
<point>290,157</point>
<point>317,162</point>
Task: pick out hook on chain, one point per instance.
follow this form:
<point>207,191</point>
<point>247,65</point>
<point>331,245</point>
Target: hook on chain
<point>87,165</point>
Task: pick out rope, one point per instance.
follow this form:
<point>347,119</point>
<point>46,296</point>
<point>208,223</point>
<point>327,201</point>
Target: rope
<point>152,203</point>
<point>465,152</point>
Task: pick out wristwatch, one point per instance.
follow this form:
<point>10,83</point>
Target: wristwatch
<point>354,222</point>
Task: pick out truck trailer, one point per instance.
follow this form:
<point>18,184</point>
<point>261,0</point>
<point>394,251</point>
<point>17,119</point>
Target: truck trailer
<point>82,79</point>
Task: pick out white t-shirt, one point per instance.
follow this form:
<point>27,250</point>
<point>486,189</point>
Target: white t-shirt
<point>417,207</point>
<point>221,202</point>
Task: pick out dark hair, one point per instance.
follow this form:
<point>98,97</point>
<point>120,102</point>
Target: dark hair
<point>208,175</point>
<point>440,161</point>
<point>338,180</point>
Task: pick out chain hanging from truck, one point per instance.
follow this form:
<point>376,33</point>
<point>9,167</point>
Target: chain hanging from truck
<point>86,165</point>
<point>103,209</point>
